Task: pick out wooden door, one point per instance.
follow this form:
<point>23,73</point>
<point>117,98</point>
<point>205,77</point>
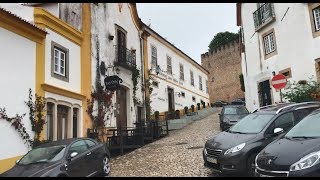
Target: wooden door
<point>122,107</point>
<point>62,122</point>
<point>122,44</point>
<point>170,100</point>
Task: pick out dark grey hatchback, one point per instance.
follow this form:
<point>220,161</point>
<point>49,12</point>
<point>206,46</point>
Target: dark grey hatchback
<point>231,114</point>
<point>234,151</point>
<point>74,157</point>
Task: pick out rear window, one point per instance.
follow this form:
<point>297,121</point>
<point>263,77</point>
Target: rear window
<point>235,110</point>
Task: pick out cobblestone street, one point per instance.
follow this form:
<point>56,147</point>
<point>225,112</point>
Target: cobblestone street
<point>179,154</point>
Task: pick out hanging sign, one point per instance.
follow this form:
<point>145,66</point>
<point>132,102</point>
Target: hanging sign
<point>112,82</point>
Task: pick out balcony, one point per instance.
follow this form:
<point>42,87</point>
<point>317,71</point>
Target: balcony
<point>125,57</point>
<point>263,16</point>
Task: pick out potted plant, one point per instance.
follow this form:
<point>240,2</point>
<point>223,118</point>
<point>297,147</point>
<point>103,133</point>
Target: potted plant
<point>198,104</point>
<point>186,110</point>
<point>177,114</point>
<point>192,108</point>
<point>203,104</point>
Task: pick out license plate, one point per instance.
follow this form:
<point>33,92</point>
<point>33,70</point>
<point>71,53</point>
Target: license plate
<point>261,175</point>
<point>212,160</point>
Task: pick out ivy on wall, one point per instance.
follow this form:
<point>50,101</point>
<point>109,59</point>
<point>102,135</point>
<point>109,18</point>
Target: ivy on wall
<point>135,76</point>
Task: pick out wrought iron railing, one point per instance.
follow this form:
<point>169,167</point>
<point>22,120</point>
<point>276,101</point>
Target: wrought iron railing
<point>263,15</point>
<point>125,57</point>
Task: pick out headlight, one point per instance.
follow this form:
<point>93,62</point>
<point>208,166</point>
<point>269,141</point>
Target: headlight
<point>306,162</point>
<point>235,149</point>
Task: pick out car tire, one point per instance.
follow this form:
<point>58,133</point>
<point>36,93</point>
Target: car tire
<point>106,166</point>
<point>251,165</point>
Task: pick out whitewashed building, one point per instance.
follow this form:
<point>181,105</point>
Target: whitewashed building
<point>181,81</point>
<point>277,38</point>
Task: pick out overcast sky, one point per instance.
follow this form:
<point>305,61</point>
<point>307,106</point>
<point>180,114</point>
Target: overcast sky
<point>189,26</point>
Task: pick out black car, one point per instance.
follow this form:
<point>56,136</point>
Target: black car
<point>220,103</point>
<point>74,157</point>
<point>234,151</point>
<point>295,154</point>
<point>231,114</point>
<point>239,101</point>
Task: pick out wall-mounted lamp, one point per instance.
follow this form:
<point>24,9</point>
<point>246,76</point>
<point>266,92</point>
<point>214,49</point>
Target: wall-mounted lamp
<point>273,73</point>
<point>178,93</point>
<point>103,68</point>
<point>117,70</point>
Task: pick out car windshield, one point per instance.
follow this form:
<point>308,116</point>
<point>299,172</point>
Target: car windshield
<point>307,127</point>
<point>252,123</point>
<point>235,110</point>
<point>43,154</point>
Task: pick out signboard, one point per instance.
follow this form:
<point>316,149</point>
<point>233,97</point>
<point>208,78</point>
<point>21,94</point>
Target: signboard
<point>112,82</point>
<point>279,81</point>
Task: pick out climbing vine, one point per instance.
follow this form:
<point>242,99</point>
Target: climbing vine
<point>135,76</point>
<point>36,116</point>
<point>16,122</point>
<point>147,99</point>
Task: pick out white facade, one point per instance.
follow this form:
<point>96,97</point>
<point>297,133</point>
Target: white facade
<point>106,19</point>
<point>159,97</point>
<point>296,48</point>
<point>17,70</point>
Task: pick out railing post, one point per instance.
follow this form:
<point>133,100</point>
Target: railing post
<point>121,140</point>
<point>167,127</point>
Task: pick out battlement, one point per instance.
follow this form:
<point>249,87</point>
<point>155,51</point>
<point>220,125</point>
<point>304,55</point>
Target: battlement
<point>224,47</point>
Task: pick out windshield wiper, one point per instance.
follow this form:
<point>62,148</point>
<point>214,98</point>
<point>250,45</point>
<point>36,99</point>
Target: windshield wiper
<point>304,137</point>
<point>237,132</point>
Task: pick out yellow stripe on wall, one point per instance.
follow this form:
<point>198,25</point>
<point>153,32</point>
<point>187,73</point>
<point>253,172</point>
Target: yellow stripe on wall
<point>7,164</point>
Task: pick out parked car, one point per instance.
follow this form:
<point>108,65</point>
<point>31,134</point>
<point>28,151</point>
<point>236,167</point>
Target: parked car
<point>295,154</point>
<point>220,103</point>
<point>231,114</point>
<point>234,151</point>
<point>74,157</point>
<point>239,101</point>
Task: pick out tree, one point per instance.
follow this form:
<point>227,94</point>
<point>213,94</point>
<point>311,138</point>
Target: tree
<point>222,38</point>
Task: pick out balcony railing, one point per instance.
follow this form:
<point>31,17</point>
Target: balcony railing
<point>263,15</point>
<point>125,57</point>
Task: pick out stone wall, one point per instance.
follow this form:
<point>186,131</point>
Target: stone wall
<point>224,65</point>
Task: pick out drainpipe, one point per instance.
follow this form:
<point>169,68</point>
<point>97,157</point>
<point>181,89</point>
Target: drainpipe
<point>142,68</point>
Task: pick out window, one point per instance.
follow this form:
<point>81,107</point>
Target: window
<point>191,78</point>
<point>269,43</point>
<point>316,17</point>
<point>314,14</point>
<point>286,72</point>
<point>59,62</point>
<point>181,72</point>
<point>183,94</point>
<point>153,56</point>
<point>285,121</point>
<point>79,147</point>
<point>90,143</point>
<point>207,86</point>
<point>169,65</point>
<point>263,15</point>
<point>193,98</point>
<point>200,83</point>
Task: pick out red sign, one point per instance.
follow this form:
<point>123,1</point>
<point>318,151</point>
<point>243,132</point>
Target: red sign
<point>279,81</point>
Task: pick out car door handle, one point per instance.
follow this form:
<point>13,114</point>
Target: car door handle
<point>88,153</point>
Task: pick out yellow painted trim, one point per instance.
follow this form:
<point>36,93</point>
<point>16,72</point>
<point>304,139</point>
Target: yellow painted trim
<point>6,164</point>
<point>15,25</point>
<point>178,85</point>
<point>62,92</point>
<point>134,15</point>
<point>41,16</point>
<point>86,64</point>
<point>145,60</point>
<point>177,52</point>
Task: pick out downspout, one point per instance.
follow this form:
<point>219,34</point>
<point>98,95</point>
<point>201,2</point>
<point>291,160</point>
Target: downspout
<point>142,69</point>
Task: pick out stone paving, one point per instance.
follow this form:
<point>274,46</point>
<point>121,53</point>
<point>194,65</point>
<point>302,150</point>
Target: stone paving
<point>176,155</point>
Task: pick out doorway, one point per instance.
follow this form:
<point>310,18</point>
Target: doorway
<point>264,93</point>
<point>62,122</point>
<point>122,107</point>
<point>170,99</point>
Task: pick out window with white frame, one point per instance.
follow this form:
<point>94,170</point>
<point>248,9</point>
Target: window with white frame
<point>181,72</point>
<point>269,43</point>
<point>169,65</point>
<point>200,82</point>
<point>59,62</point>
<point>153,56</point>
<point>191,78</point>
<point>316,17</point>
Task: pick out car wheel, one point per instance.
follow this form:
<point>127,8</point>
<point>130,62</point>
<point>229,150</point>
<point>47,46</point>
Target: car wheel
<point>251,165</point>
<point>106,166</point>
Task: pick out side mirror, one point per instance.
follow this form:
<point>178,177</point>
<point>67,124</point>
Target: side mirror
<point>17,161</point>
<point>277,130</point>
<point>219,114</point>
<point>72,155</point>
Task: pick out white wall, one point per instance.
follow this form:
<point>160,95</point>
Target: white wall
<point>159,96</point>
<point>296,48</point>
<point>104,18</point>
<point>74,63</point>
<point>17,69</point>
